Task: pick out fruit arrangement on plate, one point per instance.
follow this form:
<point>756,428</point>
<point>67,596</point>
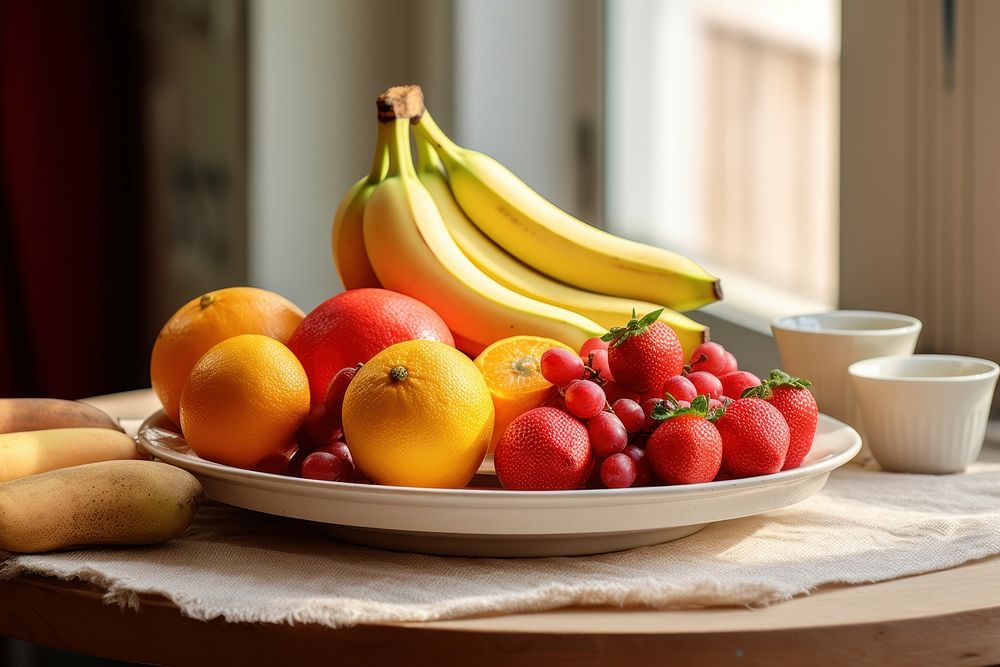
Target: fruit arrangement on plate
<point>478,320</point>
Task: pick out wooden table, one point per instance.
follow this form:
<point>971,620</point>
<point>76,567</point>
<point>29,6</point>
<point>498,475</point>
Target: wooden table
<point>947,618</point>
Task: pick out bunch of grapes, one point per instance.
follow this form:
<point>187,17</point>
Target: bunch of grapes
<point>585,382</point>
<point>322,449</point>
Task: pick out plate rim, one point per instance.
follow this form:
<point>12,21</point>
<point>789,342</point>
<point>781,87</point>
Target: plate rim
<point>193,463</point>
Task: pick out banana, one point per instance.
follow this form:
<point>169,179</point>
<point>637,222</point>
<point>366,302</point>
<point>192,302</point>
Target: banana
<point>413,253</point>
<point>543,236</point>
<point>34,414</point>
<point>33,452</point>
<point>494,261</point>
<point>112,502</point>
<point>349,254</point>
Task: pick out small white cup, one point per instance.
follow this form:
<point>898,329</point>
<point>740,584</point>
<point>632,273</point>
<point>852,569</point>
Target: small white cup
<point>925,413</point>
<point>820,347</point>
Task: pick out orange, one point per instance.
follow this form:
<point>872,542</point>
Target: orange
<point>210,319</point>
<point>418,413</point>
<point>244,400</point>
<point>353,326</point>
<point>511,367</point>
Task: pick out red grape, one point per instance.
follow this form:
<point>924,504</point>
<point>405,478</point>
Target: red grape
<point>715,404</point>
<point>680,388</point>
<point>599,363</point>
<point>607,434</point>
<point>584,398</point>
<point>341,451</point>
<point>323,465</point>
<point>334,399</point>
<point>594,479</point>
<point>335,391</point>
<point>618,471</point>
<point>643,473</point>
<point>630,413</point>
<point>319,425</point>
<point>708,357</point>
<point>648,423</point>
<point>276,464</point>
<point>592,344</point>
<point>560,366</point>
<point>706,383</point>
<point>733,384</point>
<point>615,391</point>
<point>731,364</point>
<point>295,463</point>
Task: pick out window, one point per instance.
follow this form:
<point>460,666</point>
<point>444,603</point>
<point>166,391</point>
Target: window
<point>721,121</point>
<point>920,162</point>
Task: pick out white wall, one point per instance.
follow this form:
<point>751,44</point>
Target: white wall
<point>651,119</point>
<point>316,67</point>
<point>514,85</point>
<point>503,76</point>
<point>919,164</point>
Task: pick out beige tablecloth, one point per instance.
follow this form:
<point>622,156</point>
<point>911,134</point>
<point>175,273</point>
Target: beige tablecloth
<point>864,526</point>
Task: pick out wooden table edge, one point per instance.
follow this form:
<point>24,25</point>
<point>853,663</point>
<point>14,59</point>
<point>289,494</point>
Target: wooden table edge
<point>157,632</point>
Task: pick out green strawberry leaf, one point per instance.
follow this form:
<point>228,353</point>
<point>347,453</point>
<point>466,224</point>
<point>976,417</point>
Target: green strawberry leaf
<point>635,327</point>
<point>661,412</point>
<point>649,318</point>
<point>779,378</point>
<point>776,378</point>
<point>613,334</point>
<point>763,390</point>
<point>670,408</point>
<point>700,403</point>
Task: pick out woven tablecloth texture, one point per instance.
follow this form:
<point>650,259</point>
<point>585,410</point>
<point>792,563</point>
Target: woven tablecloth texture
<point>864,526</point>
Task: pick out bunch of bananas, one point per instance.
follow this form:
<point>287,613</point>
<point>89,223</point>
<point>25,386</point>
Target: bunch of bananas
<point>463,234</point>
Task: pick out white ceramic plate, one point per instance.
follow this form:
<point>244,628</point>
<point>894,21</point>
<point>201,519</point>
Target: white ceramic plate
<point>489,521</point>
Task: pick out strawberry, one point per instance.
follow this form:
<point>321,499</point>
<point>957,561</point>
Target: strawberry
<point>686,448</point>
<point>796,404</point>
<point>544,449</point>
<point>644,353</point>
<point>754,438</point>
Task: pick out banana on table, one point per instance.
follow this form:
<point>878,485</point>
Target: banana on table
<point>70,477</point>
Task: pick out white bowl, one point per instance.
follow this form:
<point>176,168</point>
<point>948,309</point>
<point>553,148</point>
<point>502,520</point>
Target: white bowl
<point>820,347</point>
<point>925,413</point>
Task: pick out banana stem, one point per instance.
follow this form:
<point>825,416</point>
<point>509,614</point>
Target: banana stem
<point>425,127</point>
<point>400,102</point>
<point>427,157</point>
<point>380,161</point>
<point>400,157</point>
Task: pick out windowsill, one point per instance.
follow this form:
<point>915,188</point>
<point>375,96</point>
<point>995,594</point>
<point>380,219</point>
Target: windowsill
<point>747,302</point>
<point>753,305</point>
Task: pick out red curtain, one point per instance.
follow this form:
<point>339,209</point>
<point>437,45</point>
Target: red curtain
<point>70,232</point>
